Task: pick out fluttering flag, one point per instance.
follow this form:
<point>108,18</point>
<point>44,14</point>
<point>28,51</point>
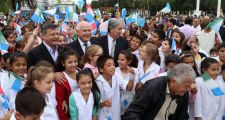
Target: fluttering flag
<point>98,13</point>
<point>64,27</point>
<point>17,84</point>
<point>79,3</point>
<point>141,22</point>
<point>124,13</point>
<point>37,16</point>
<point>18,10</point>
<point>132,18</point>
<point>50,12</point>
<point>17,6</point>
<point>104,28</point>
<point>212,85</point>
<point>4,102</point>
<point>166,9</point>
<point>3,43</point>
<point>70,15</point>
<point>216,24</point>
<point>89,16</point>
<point>174,45</point>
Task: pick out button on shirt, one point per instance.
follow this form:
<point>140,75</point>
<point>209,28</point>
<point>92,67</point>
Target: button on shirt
<point>54,54</point>
<point>110,44</point>
<point>82,44</point>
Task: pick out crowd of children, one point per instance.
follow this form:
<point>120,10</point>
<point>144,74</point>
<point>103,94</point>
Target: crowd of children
<point>92,86</point>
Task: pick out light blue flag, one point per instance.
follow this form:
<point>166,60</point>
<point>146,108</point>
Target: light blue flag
<point>37,16</point>
<point>124,13</point>
<point>174,45</point>
<point>17,85</point>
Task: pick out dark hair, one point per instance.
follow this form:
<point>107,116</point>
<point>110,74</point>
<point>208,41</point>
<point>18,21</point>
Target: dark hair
<point>173,21</point>
<point>7,32</point>
<point>214,49</point>
<point>18,46</point>
<point>63,55</point>
<point>134,62</point>
<point>47,26</point>
<point>188,20</point>
<point>15,55</point>
<point>139,37</point>
<point>207,62</point>
<point>186,54</point>
<point>169,40</point>
<point>128,55</point>
<point>29,101</point>
<point>182,36</point>
<point>221,45</point>
<point>94,89</point>
<point>102,60</point>
<point>172,58</point>
<point>223,67</point>
<point>160,33</point>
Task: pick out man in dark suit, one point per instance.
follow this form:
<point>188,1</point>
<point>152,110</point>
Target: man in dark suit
<point>84,32</point>
<point>164,98</point>
<point>112,43</point>
<point>48,49</point>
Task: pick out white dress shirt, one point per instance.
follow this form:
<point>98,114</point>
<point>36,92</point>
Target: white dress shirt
<point>82,44</point>
<point>54,54</point>
<point>110,44</point>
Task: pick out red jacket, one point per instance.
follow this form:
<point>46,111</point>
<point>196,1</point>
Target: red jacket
<point>63,92</point>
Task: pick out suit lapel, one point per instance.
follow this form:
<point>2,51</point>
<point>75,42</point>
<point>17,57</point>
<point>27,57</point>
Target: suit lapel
<point>46,54</point>
<point>79,48</point>
<point>105,44</point>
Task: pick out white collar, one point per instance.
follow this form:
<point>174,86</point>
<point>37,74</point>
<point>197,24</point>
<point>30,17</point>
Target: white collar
<point>82,43</point>
<point>49,48</point>
<point>109,38</point>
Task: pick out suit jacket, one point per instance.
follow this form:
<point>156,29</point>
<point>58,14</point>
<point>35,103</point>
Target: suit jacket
<point>121,44</point>
<point>63,92</point>
<point>40,53</point>
<point>77,47</point>
<point>150,99</point>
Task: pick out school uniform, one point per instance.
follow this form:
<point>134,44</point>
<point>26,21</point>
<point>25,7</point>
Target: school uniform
<point>126,96</point>
<point>6,83</point>
<point>111,92</point>
<point>63,91</point>
<point>81,109</point>
<point>152,71</point>
<point>221,80</point>
<point>136,53</point>
<point>49,110</point>
<point>206,105</point>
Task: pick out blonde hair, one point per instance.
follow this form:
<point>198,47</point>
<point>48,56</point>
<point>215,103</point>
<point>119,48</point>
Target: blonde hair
<point>37,73</point>
<point>91,51</point>
<point>152,50</point>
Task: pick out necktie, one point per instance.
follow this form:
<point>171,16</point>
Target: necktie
<point>113,48</point>
<point>168,33</point>
<point>85,46</point>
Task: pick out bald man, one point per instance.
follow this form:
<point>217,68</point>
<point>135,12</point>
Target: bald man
<point>84,40</point>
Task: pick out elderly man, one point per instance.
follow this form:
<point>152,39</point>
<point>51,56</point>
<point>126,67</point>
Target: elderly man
<point>83,41</point>
<point>164,98</point>
<point>112,43</point>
